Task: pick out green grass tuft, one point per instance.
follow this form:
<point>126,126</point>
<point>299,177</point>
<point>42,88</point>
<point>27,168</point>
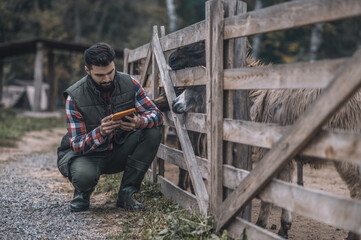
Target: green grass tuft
<point>162,219</point>
<point>12,127</point>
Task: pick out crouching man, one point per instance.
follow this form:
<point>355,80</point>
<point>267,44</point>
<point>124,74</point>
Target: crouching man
<point>95,144</point>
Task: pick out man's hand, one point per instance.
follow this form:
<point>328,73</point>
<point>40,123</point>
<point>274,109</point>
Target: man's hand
<point>108,125</point>
<point>134,122</point>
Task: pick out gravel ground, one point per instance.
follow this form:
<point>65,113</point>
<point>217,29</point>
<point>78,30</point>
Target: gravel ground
<point>31,208</point>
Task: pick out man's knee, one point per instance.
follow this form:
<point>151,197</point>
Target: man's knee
<point>154,135</point>
<point>84,179</point>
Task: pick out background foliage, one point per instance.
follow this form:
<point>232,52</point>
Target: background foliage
<point>125,23</point>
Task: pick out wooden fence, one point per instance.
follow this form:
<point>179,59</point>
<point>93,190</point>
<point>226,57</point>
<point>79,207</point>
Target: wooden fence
<point>228,22</point>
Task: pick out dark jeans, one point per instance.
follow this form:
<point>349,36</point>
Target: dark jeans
<point>138,150</point>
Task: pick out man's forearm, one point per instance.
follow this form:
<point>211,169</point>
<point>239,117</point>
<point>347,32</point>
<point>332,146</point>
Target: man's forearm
<point>86,142</point>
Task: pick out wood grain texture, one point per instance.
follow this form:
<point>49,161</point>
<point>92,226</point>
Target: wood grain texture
<point>336,211</point>
<point>138,53</point>
<point>189,76</point>
<point>292,75</point>
<point>176,157</point>
<point>193,121</point>
<point>328,144</point>
<point>188,35</point>
<point>321,206</point>
<point>345,83</point>
<point>289,15</point>
<point>214,99</point>
<point>154,92</point>
<point>252,231</point>
<point>183,198</point>
<point>148,59</point>
<point>194,172</point>
<point>126,61</point>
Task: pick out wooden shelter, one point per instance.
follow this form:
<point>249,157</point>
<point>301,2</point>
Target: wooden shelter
<point>40,46</point>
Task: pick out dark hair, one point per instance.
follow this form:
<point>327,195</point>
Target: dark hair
<point>100,54</point>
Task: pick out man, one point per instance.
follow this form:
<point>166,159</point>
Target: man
<point>95,144</point>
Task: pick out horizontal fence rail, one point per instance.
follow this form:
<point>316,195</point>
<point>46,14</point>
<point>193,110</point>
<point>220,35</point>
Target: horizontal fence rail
<point>280,76</point>
<point>328,144</point>
<point>275,18</point>
<point>289,15</point>
<point>300,200</point>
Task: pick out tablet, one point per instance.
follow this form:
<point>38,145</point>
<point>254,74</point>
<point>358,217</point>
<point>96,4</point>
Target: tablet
<point>120,115</point>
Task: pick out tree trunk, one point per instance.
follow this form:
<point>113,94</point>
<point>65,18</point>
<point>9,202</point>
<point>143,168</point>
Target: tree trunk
<point>172,16</point>
<point>38,76</point>
<point>316,40</point>
<point>257,39</point>
<point>52,81</point>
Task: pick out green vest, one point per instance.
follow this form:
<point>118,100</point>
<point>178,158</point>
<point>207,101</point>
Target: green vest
<point>90,103</point>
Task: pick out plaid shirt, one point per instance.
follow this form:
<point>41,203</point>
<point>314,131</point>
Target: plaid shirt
<point>83,142</point>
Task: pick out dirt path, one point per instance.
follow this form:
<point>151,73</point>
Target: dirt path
<point>34,142</point>
<point>34,198</point>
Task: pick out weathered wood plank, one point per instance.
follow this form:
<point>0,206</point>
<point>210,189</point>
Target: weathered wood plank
<point>154,91</point>
<point>188,35</point>
<point>183,198</point>
<point>214,92</point>
<point>138,53</point>
<point>320,206</point>
<point>345,83</point>
<point>176,157</point>
<point>242,153</point>
<point>336,211</point>
<point>292,75</point>
<point>143,77</point>
<point>164,131</point>
<point>126,60</point>
<point>193,121</point>
<point>189,76</point>
<point>280,76</point>
<point>230,9</point>
<point>277,17</point>
<point>236,228</point>
<point>327,144</point>
<point>198,184</point>
<point>289,15</point>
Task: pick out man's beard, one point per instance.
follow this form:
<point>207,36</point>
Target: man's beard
<point>106,88</point>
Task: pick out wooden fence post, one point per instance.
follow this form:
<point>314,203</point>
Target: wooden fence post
<point>160,161</point>
<point>154,95</point>
<point>343,85</point>
<point>214,63</point>
<point>179,122</point>
<point>243,153</point>
<point>125,63</point>
<point>38,76</point>
<point>52,81</point>
<point>230,10</point>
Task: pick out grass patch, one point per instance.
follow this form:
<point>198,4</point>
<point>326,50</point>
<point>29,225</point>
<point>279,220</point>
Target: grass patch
<point>12,127</point>
<point>162,219</point>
